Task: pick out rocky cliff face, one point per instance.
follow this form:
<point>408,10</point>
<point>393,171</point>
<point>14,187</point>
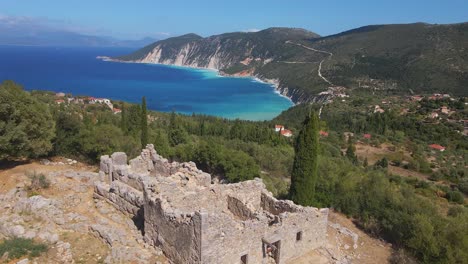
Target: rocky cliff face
<point>384,57</point>
<point>237,54</point>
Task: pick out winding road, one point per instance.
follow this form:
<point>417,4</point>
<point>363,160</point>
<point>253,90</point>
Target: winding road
<point>320,65</point>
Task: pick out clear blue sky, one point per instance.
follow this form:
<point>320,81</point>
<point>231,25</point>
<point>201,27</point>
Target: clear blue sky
<point>138,18</point>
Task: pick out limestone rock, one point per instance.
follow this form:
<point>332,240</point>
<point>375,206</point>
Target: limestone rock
<point>119,158</point>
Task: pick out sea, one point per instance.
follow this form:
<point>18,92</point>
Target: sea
<point>78,71</point>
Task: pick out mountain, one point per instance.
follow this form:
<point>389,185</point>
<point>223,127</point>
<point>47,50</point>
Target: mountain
<point>48,37</point>
<point>402,58</point>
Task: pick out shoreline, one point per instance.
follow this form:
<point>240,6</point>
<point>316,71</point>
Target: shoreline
<point>271,82</point>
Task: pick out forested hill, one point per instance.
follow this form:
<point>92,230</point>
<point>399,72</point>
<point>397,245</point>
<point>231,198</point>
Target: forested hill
<point>407,58</point>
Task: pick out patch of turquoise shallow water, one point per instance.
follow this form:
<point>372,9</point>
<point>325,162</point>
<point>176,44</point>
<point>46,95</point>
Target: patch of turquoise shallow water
<point>167,88</point>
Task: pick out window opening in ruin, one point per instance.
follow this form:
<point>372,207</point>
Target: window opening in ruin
<point>272,252</point>
<point>299,236</point>
<point>244,259</point>
<point>139,220</point>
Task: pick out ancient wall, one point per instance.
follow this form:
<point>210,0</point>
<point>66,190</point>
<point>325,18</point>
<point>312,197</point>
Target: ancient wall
<point>194,221</point>
<point>225,240</point>
<point>176,233</point>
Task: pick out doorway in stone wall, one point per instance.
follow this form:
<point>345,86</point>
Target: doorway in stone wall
<point>272,252</point>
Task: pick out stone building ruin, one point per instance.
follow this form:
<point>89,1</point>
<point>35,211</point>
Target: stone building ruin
<point>179,209</point>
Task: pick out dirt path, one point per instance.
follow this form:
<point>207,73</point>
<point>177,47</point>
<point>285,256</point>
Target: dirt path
<point>330,55</point>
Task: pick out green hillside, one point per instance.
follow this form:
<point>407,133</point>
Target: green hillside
<point>406,58</point>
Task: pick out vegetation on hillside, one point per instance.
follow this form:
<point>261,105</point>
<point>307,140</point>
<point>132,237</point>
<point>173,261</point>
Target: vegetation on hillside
<point>26,125</point>
<point>400,58</point>
<point>18,247</point>
<point>426,217</point>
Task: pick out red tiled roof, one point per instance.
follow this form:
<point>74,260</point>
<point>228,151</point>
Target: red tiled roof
<point>437,147</point>
<point>286,132</point>
<point>368,136</point>
<point>323,133</point>
<point>279,126</point>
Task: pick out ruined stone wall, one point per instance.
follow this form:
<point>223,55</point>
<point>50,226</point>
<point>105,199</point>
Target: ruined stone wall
<point>178,235</point>
<point>194,221</point>
<point>226,241</point>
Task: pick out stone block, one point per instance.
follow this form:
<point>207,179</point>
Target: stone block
<point>119,158</point>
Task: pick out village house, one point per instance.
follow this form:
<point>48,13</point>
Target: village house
<point>278,128</point>
<point>367,136</point>
<point>416,98</point>
<point>437,147</point>
<point>116,110</point>
<point>323,133</point>
<point>59,101</point>
<point>444,110</point>
<point>286,133</point>
<point>378,109</point>
<point>434,115</point>
<point>60,94</point>
<point>106,101</point>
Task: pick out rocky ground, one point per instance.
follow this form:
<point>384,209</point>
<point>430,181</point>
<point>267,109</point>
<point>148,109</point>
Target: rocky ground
<point>77,228</point>
<point>81,229</point>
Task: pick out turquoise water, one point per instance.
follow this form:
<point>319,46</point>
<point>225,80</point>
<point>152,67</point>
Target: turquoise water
<point>167,88</point>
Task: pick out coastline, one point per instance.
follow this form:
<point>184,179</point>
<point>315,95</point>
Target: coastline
<point>274,83</point>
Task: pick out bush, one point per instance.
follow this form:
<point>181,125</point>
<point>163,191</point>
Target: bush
<point>38,181</point>
<point>455,196</point>
<point>19,247</point>
<point>463,186</point>
<point>456,210</point>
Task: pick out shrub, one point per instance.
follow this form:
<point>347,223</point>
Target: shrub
<point>19,247</point>
<point>456,210</point>
<point>463,186</point>
<point>455,196</point>
<point>38,181</point>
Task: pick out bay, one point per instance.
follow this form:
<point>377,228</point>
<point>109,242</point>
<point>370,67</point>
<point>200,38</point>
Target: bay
<point>77,71</point>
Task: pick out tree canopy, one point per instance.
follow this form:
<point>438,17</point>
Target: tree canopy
<point>26,125</point>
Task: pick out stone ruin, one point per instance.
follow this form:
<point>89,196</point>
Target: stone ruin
<point>179,209</point>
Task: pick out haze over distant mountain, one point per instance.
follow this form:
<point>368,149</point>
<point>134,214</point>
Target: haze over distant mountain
<point>34,32</point>
<point>63,38</point>
<point>403,58</point>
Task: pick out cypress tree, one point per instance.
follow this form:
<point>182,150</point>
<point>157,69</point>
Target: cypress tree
<point>123,120</point>
<point>351,152</point>
<point>305,167</point>
<point>144,124</point>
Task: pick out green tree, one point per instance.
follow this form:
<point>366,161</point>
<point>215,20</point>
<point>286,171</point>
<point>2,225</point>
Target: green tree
<point>67,141</point>
<point>351,152</point>
<point>26,125</point>
<point>177,133</point>
<point>304,173</point>
<point>123,120</point>
<point>100,140</point>
<point>383,163</point>
<point>144,124</point>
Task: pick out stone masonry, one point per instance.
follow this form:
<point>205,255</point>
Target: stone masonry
<point>179,209</point>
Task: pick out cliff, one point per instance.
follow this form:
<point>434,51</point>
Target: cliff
<point>239,53</point>
<point>404,58</point>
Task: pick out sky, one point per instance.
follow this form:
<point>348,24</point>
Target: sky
<point>161,19</point>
